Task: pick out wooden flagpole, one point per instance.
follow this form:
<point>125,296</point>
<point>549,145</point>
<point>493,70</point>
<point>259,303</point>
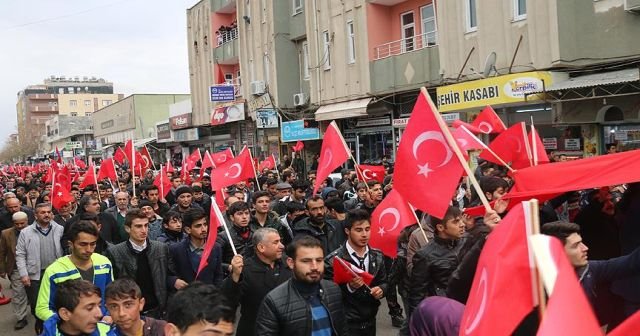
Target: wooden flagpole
<point>485,147</point>
<point>534,145</point>
<point>275,165</point>
<point>253,165</point>
<point>419,222</point>
<point>454,146</point>
<point>344,143</point>
<point>535,229</point>
<point>150,159</point>
<point>95,179</point>
<point>218,213</point>
<point>133,168</point>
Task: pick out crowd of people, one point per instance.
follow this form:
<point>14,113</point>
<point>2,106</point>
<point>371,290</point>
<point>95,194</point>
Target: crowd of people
<point>118,262</point>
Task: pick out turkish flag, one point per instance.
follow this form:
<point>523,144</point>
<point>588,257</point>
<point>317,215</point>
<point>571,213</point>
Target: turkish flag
<point>216,220</point>
<point>334,152</point>
<point>502,293</point>
<point>466,140</point>
<point>207,162</point>
<point>568,307</point>
<point>489,122</point>
<point>389,218</point>
<point>426,170</point>
<point>368,173</point>
<point>147,162</point>
<point>344,272</point>
<point>233,171</point>
<point>60,195</point>
<point>119,156</point>
<point>511,146</point>
<point>107,170</point>
<point>129,151</point>
<point>89,177</point>
<point>62,176</point>
<point>298,146</point>
<point>169,167</point>
<point>221,79</point>
<point>630,326</point>
<point>58,156</point>
<point>537,147</point>
<point>184,173</point>
<point>220,197</point>
<point>269,163</point>
<point>79,163</point>
<point>162,182</point>
<point>193,159</point>
<point>222,156</point>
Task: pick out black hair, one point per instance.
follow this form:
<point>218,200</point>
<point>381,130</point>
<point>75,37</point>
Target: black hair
<point>356,215</point>
<point>300,184</point>
<point>560,230</point>
<point>302,241</point>
<point>84,201</point>
<point>294,206</point>
<point>286,174</point>
<point>258,194</point>
<point>133,213</point>
<point>80,227</point>
<point>492,183</point>
<point>452,212</point>
<point>192,215</point>
<point>271,182</point>
<point>123,288</point>
<point>373,183</point>
<point>236,207</point>
<point>313,198</point>
<point>171,215</point>
<point>197,188</point>
<point>336,204</point>
<point>68,293</point>
<point>196,303</point>
<point>152,187</point>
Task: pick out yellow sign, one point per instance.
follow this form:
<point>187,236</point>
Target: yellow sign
<point>493,91</point>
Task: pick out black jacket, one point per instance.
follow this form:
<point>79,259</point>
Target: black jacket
<point>285,312</point>
<point>432,267</point>
<point>6,219</point>
<point>360,306</point>
<point>330,237</point>
<point>256,281</point>
<point>124,265</point>
<point>186,270</point>
<point>243,246</point>
<point>273,221</point>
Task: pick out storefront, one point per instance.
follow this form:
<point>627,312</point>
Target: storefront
<point>301,130</point>
<point>267,133</point>
<point>229,127</point>
<point>370,139</point>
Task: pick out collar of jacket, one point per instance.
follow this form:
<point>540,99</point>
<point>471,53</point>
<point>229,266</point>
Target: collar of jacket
<point>448,243</point>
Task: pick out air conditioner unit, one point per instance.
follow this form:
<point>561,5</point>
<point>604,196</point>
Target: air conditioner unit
<point>299,99</point>
<point>257,88</point>
<point>632,6</point>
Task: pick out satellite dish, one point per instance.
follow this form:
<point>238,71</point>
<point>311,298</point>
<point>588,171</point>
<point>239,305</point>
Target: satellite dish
<point>489,64</point>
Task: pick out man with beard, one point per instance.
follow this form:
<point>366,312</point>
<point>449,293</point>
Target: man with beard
<point>187,253</point>
<point>82,263</point>
<point>123,298</point>
<point>264,218</point>
<point>252,278</point>
<point>305,304</point>
<point>77,308</point>
<point>317,226</point>
<point>240,232</point>
<point>361,302</point>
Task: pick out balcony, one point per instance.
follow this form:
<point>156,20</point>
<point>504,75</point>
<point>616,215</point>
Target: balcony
<point>223,6</point>
<point>404,65</point>
<point>386,2</point>
<point>43,108</point>
<point>227,50</point>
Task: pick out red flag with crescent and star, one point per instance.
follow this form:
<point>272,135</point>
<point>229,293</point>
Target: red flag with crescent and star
<point>222,157</point>
<point>487,122</point>
<point>511,146</point>
<point>60,195</point>
<point>298,146</point>
<point>233,171</point>
<point>193,159</point>
<point>215,218</point>
<point>119,156</point>
<point>389,218</point>
<point>79,163</point>
<point>162,182</point>
<point>147,162</point>
<point>89,177</point>
<point>426,171</point>
<point>344,272</point>
<point>334,153</point>
<point>268,163</point>
<point>207,162</point>
<point>502,293</point>
<point>368,173</point>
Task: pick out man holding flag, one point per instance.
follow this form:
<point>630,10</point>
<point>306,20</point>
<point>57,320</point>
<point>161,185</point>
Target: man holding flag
<point>361,300</point>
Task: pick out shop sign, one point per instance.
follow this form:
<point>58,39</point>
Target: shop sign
<point>163,131</point>
<point>550,143</point>
<point>90,144</point>
<point>451,117</point>
<point>260,102</point>
<point>373,122</point>
<point>222,93</point>
<point>295,130</point>
<point>572,144</point>
<point>72,145</point>
<point>107,124</point>
<point>401,122</point>
<point>621,135</point>
<point>227,113</point>
<point>493,91</point>
<point>94,152</point>
<point>190,134</point>
<point>266,118</point>
<point>180,121</point>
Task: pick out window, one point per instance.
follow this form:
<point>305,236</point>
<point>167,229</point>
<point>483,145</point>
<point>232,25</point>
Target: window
<point>263,3</point>
<point>326,43</point>
<point>429,27</point>
<point>60,90</point>
<point>73,103</point>
<point>297,7</point>
<point>351,43</point>
<point>408,31</point>
<point>519,9</point>
<point>228,78</point>
<point>305,60</point>
<point>106,102</point>
<point>87,114</point>
<point>74,114</point>
<point>266,63</point>
<point>71,90</point>
<point>472,20</point>
<point>87,103</point>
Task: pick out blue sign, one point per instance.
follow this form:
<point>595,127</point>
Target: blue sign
<point>294,131</point>
<point>222,93</point>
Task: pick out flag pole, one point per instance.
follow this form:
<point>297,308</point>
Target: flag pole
<point>276,165</point>
<point>485,147</point>
<point>161,187</point>
<point>535,229</point>
<point>152,164</point>
<point>526,143</point>
<point>343,263</point>
<point>133,168</point>
<point>224,224</point>
<point>95,178</point>
<point>454,146</point>
<point>255,173</point>
<point>533,143</point>
<point>413,210</point>
<point>355,163</point>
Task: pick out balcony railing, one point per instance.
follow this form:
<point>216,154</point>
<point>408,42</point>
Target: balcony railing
<point>406,45</point>
<point>225,36</point>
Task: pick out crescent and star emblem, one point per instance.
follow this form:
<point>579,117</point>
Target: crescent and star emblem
<point>238,170</point>
<point>517,141</point>
<point>328,157</point>
<point>482,287</point>
<point>430,135</point>
<point>222,158</point>
<point>485,127</point>
<point>396,215</point>
<point>367,177</point>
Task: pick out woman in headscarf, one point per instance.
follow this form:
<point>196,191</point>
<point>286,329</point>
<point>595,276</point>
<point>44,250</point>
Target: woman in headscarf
<point>436,316</point>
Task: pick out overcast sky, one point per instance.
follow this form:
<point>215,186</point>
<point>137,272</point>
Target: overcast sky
<point>139,45</point>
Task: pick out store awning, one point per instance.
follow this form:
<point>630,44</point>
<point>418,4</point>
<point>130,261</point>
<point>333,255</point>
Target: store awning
<point>142,142</point>
<point>349,109</point>
<point>605,78</point>
<point>107,146</point>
